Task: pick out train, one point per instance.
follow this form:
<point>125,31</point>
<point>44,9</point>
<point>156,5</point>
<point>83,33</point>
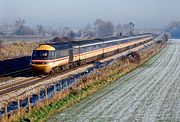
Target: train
<point>51,57</point>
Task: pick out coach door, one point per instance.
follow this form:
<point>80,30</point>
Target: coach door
<point>70,55</point>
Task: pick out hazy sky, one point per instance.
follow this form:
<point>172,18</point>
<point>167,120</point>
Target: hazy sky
<point>74,13</point>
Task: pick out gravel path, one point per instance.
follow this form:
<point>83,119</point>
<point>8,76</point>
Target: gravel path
<point>150,93</point>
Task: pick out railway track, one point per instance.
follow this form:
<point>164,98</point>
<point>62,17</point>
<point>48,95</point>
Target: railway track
<point>21,84</point>
<point>15,73</point>
<point>19,73</point>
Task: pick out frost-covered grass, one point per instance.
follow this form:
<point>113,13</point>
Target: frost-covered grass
<point>149,93</point>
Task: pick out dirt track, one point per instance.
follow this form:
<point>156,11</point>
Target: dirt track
<point>150,93</point>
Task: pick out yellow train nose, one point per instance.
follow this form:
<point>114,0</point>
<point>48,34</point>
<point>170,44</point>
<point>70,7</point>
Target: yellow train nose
<point>41,68</point>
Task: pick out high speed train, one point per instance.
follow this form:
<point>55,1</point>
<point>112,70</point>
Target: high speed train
<point>52,57</point>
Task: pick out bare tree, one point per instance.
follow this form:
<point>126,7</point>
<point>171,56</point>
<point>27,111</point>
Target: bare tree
<point>131,27</point>
<point>174,29</point>
<point>66,31</point>
<point>103,28</point>
<point>40,30</point>
<point>79,32</point>
<point>54,33</point>
<point>21,29</point>
<point>87,31</point>
<point>19,23</point>
<point>118,30</point>
<point>71,34</point>
<point>6,28</point>
<point>128,29</point>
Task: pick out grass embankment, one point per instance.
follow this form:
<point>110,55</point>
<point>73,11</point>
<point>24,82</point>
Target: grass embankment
<point>18,49</point>
<point>102,78</point>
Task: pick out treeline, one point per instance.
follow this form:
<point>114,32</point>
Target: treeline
<point>174,29</point>
<point>99,28</point>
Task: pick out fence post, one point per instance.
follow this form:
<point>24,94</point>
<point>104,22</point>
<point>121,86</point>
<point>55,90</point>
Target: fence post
<point>46,94</point>
<point>54,89</point>
<point>39,99</point>
<point>60,92</point>
<point>67,89</point>
<point>55,92</point>
<point>74,84</point>
<point>85,81</point>
<point>29,103</point>
<point>6,111</point>
<point>19,107</point>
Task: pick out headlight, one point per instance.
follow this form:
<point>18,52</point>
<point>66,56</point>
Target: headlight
<point>38,63</point>
<point>32,62</point>
<point>44,62</point>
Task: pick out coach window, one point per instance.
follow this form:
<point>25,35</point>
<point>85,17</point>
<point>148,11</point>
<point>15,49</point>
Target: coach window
<point>83,49</point>
<point>64,53</point>
<point>57,54</point>
<point>101,45</point>
<point>76,50</point>
<point>97,46</point>
<point>94,47</point>
<point>53,56</point>
<point>109,44</point>
<point>118,42</point>
<point>88,48</point>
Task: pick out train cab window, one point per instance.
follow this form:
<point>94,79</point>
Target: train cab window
<point>34,55</point>
<point>43,54</point>
<point>52,55</point>
<point>39,54</point>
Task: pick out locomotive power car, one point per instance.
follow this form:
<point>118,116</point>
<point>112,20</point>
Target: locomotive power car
<point>52,57</point>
